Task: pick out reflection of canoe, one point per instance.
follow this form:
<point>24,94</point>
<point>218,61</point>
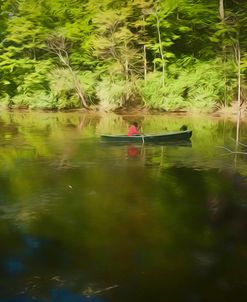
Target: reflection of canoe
<point>149,138</point>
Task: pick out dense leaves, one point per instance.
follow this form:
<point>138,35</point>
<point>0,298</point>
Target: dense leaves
<point>164,54</point>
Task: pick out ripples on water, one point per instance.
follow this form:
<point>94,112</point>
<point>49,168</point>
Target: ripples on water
<point>81,220</point>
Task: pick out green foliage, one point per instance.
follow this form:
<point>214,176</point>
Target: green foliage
<point>200,85</point>
<point>43,100</point>
<point>114,43</point>
<point>5,101</point>
<point>36,79</point>
<point>89,81</point>
<point>113,46</point>
<point>60,81</point>
<point>114,94</point>
<point>62,86</point>
<point>110,94</point>
<point>151,91</point>
<point>38,99</point>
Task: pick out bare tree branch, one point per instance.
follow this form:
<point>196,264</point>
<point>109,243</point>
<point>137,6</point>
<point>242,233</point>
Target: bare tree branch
<point>57,45</point>
<point>232,152</point>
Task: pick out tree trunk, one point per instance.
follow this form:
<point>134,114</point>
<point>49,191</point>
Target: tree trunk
<point>161,48</point>
<point>144,55</point>
<point>239,94</point>
<point>75,80</point>
<point>239,79</point>
<point>126,70</point>
<point>238,62</point>
<point>225,78</point>
<point>57,45</point>
<point>79,91</point>
<point>145,64</point>
<point>221,10</point>
<point>222,18</point>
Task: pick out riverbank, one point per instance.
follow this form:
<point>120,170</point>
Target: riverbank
<point>230,112</point>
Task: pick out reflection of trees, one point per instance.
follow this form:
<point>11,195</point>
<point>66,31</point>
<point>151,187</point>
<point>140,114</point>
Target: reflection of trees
<point>47,134</point>
<point>144,231</point>
<point>226,203</point>
<point>169,214</point>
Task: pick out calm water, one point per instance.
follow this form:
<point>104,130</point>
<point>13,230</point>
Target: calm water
<point>82,220</point>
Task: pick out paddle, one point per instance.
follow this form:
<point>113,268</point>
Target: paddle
<point>142,135</point>
<point>142,139</point>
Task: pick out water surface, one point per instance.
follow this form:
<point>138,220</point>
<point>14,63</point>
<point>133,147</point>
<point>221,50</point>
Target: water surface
<point>82,220</point>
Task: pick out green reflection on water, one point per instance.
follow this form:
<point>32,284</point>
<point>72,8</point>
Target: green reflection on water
<point>126,223</point>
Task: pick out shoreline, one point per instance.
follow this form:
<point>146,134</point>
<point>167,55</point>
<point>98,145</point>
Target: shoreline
<point>229,112</point>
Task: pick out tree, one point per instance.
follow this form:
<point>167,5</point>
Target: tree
<point>122,43</point>
<point>58,46</point>
<point>115,43</point>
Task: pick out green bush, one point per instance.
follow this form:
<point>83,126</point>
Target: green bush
<point>5,101</point>
<point>155,96</point>
<point>40,99</point>
<point>199,85</point>
<point>88,81</point>
<point>115,94</point>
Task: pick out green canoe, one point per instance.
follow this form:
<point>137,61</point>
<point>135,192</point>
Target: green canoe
<point>149,138</point>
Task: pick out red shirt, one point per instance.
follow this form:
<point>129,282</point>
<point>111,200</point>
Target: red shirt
<point>133,130</point>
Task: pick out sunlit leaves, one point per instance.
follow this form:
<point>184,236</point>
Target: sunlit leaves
<point>196,86</point>
<point>122,40</point>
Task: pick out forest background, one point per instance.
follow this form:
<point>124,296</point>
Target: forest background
<point>168,55</point>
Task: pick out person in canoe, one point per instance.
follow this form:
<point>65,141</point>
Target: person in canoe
<point>183,128</point>
<point>133,129</point>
